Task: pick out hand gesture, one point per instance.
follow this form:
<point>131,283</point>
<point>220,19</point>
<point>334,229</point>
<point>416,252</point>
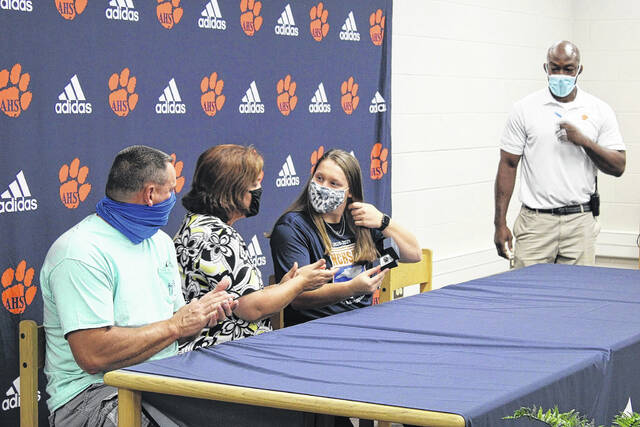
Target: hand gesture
<point>368,281</point>
<point>293,272</point>
<point>365,215</point>
<point>316,274</point>
<point>570,133</point>
<point>503,240</point>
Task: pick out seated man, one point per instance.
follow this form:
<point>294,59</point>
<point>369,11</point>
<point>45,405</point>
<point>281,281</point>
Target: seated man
<point>111,290</point>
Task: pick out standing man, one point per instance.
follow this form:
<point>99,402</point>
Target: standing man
<point>563,135</point>
<point>112,294</point>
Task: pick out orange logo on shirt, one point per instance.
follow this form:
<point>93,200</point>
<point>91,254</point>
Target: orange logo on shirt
<point>17,296</point>
<point>122,98</point>
<point>376,22</point>
<point>585,117</point>
<point>169,13</point>
<point>69,9</point>
<point>14,99</point>
<point>319,26</point>
<point>212,98</point>
<point>250,20</point>
<point>73,188</point>
<point>379,163</point>
<point>178,165</point>
<point>315,156</point>
<point>350,98</point>
<point>287,98</point>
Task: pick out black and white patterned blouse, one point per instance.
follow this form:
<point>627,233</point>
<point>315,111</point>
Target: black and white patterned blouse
<point>208,250</point>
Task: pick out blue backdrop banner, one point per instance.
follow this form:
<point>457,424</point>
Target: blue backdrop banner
<point>80,80</point>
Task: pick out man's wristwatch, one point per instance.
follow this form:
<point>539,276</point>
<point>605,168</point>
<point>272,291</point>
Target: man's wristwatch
<point>385,222</point>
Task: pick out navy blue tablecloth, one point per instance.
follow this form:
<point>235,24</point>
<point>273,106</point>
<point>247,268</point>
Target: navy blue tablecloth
<point>543,335</point>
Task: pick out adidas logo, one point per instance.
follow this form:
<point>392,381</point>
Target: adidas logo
<point>18,197</point>
<point>319,102</point>
<point>170,101</point>
<point>349,30</point>
<point>286,25</point>
<point>287,176</point>
<point>122,10</point>
<point>72,99</point>
<point>251,103</point>
<point>378,104</point>
<point>13,396</point>
<point>211,17</point>
<point>19,5</point>
<point>255,252</point>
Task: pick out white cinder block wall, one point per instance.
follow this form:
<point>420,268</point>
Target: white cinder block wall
<point>458,67</point>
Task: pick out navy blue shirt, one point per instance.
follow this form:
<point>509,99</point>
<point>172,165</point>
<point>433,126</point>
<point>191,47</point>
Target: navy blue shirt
<point>295,239</point>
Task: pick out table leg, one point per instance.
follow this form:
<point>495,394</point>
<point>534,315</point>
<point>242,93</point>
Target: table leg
<point>129,408</point>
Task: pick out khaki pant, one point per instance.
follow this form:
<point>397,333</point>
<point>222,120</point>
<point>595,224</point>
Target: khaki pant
<point>561,239</point>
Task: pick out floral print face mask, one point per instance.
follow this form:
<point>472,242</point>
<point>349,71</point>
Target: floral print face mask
<point>325,199</point>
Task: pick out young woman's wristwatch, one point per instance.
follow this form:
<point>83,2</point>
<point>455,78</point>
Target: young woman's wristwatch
<point>385,222</point>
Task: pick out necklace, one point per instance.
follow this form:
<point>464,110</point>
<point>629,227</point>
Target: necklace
<point>342,225</point>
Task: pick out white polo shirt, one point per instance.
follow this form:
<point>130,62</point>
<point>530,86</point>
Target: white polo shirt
<point>555,173</point>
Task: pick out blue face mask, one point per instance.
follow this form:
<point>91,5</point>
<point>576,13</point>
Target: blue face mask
<point>561,85</point>
<point>137,222</point>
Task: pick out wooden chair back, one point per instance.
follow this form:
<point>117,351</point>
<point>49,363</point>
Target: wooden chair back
<point>32,347</point>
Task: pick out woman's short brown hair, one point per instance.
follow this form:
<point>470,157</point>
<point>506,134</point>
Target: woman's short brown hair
<point>224,173</point>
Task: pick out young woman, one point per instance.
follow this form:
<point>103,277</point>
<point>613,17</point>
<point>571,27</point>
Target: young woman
<point>331,221</point>
<point>226,188</point>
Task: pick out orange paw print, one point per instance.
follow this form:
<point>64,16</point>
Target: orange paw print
<point>379,163</point>
<point>212,99</point>
<point>319,26</point>
<point>287,98</point>
<point>169,13</point>
<point>69,9</point>
<point>250,20</point>
<point>14,99</point>
<point>122,100</point>
<point>178,167</point>
<point>350,98</point>
<point>376,21</point>
<point>16,297</point>
<point>70,176</point>
<point>315,156</point>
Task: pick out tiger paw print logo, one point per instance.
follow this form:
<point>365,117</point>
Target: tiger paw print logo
<point>319,26</point>
<point>69,9</point>
<point>73,188</point>
<point>350,98</point>
<point>315,156</point>
<point>287,98</point>
<point>250,20</point>
<point>169,13</point>
<point>15,98</point>
<point>376,30</point>
<point>212,98</point>
<point>379,163</point>
<point>122,98</point>
<point>18,295</point>
<point>178,166</point>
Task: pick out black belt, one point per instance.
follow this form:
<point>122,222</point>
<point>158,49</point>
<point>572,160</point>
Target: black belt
<point>564,210</point>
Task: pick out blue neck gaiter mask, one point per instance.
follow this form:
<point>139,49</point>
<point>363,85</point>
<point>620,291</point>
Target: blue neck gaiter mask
<point>137,222</point>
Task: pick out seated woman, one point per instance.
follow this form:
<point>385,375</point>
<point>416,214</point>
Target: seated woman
<point>330,221</point>
<point>226,187</point>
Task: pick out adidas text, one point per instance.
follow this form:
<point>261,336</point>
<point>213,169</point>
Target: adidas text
<point>377,108</point>
<point>21,5</point>
<point>287,181</point>
<point>251,108</point>
<point>286,30</point>
<point>319,108</point>
<point>260,261</point>
<point>212,23</point>
<point>170,108</point>
<point>18,205</point>
<point>122,14</point>
<point>74,107</point>
<point>349,36</point>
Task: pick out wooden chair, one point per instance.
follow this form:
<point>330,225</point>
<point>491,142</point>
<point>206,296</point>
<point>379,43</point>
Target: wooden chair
<point>277,319</point>
<point>32,347</point>
<point>407,274</point>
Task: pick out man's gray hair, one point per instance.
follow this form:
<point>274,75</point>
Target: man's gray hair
<point>134,167</point>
